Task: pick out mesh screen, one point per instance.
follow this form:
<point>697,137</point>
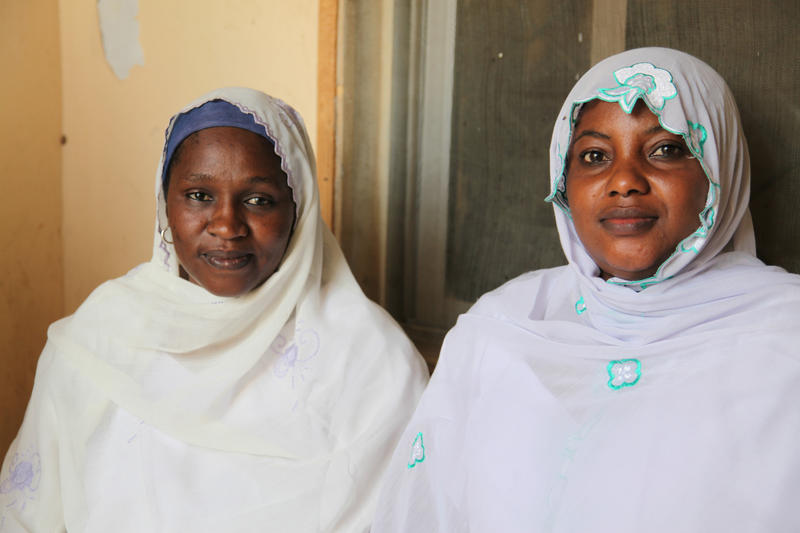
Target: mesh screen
<point>515,61</point>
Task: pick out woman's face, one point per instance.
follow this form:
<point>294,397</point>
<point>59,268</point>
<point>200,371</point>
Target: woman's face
<point>230,209</point>
<point>633,188</point>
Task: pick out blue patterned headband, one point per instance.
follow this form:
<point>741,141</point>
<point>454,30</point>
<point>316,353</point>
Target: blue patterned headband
<point>209,115</point>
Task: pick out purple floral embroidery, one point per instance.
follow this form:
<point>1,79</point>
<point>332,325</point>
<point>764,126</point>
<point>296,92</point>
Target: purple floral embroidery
<point>136,432</point>
<point>22,480</point>
<point>294,356</point>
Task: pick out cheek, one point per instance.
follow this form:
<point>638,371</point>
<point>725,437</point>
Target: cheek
<point>583,191</point>
<point>274,232</point>
<point>700,196</point>
<point>689,202</point>
<point>185,225</point>
<point>581,200</point>
<point>174,214</point>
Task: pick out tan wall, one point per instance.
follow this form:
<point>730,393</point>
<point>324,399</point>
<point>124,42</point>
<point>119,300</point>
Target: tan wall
<point>115,128</point>
<point>97,190</point>
<point>31,272</point>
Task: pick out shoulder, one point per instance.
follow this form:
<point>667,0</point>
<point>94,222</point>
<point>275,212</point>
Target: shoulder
<point>363,339</point>
<point>108,294</point>
<point>103,317</point>
<point>496,314</point>
<point>765,289</point>
<point>524,295</point>
<point>752,272</point>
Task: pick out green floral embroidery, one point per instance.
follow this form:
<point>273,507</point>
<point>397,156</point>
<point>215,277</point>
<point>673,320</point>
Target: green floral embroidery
<point>642,80</point>
<point>580,306</point>
<point>559,187</point>
<point>697,137</point>
<point>417,451</point>
<point>624,373</point>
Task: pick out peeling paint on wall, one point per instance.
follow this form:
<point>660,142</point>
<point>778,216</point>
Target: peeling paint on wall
<point>119,30</point>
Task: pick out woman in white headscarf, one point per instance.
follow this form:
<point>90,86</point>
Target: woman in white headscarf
<point>651,384</point>
<point>240,380</point>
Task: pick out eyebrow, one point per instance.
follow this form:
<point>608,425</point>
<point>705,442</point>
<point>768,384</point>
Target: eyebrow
<point>593,133</point>
<point>199,177</point>
<point>268,180</point>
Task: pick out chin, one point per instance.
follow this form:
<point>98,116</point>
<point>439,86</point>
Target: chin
<point>225,288</point>
<point>227,285</point>
<point>226,292</point>
<point>629,272</point>
<point>631,266</point>
<point>228,288</point>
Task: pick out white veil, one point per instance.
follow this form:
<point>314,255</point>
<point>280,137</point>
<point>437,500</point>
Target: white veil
<point>302,382</point>
<point>565,403</point>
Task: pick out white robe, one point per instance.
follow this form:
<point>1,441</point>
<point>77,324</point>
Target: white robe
<point>565,403</point>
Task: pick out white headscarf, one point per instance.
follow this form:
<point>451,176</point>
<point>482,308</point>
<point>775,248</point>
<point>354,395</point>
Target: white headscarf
<point>273,410</point>
<point>703,113</point>
<point>566,403</point>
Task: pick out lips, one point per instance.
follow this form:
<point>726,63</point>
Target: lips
<point>227,259</point>
<point>630,221</point>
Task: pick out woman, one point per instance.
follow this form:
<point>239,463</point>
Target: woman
<point>240,380</point>
<point>652,383</point>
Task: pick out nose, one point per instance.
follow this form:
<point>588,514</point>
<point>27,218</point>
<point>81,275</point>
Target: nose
<point>226,222</point>
<point>627,178</point>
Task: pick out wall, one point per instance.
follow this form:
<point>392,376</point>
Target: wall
<point>57,247</point>
<point>31,272</point>
<point>115,128</point>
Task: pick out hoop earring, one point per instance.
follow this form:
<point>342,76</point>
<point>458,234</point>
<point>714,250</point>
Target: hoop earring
<point>164,236</point>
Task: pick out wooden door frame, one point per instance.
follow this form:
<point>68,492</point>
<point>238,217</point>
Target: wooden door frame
<point>326,106</point>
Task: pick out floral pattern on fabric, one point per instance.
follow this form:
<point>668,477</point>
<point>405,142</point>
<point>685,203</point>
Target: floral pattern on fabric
<point>559,188</point>
<point>642,80</point>
<point>21,481</point>
<point>417,451</point>
<point>294,357</point>
<point>624,373</point>
<point>696,137</point>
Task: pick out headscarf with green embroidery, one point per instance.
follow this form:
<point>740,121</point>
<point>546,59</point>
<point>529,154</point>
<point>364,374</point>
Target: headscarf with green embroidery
<point>690,99</point>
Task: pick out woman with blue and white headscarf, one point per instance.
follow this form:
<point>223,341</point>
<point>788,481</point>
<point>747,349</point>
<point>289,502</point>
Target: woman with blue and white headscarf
<point>652,383</point>
<point>240,381</point>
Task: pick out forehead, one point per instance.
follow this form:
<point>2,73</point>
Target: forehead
<point>226,137</point>
<point>227,146</point>
<point>609,115</point>
<point>229,154</point>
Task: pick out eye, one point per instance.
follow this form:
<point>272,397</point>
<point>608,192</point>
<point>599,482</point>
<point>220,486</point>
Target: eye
<point>199,196</point>
<point>669,151</point>
<point>593,157</point>
<point>260,201</point>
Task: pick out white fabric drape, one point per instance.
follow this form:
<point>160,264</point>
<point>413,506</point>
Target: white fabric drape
<point>564,403</point>
<point>161,407</point>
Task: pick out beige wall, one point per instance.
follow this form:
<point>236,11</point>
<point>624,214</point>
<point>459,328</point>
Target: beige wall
<point>31,273</point>
<point>76,215</point>
<point>115,128</point>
